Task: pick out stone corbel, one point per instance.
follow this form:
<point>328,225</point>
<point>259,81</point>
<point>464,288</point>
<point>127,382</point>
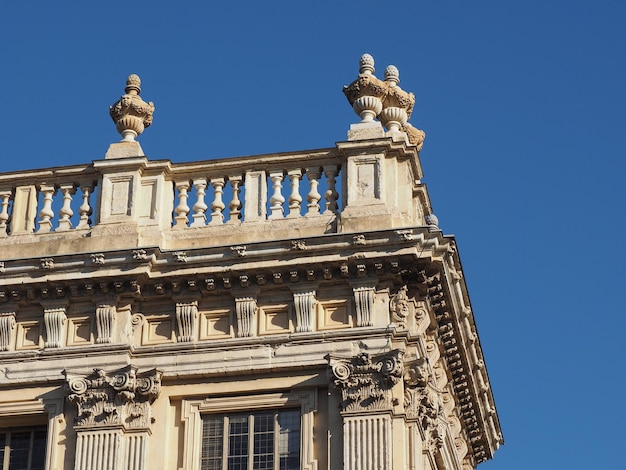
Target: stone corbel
<point>55,320</point>
<point>187,319</point>
<point>7,324</point>
<point>245,314</point>
<point>364,294</point>
<point>304,301</point>
<point>105,321</point>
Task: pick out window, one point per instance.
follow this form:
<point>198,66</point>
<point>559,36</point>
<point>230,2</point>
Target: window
<point>23,448</point>
<point>268,431</point>
<point>264,440</point>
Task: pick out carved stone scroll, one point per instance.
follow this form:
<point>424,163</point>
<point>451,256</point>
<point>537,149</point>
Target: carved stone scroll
<point>54,319</point>
<point>245,310</point>
<point>7,323</point>
<point>105,316</point>
<point>364,300</point>
<point>304,305</point>
<point>186,316</point>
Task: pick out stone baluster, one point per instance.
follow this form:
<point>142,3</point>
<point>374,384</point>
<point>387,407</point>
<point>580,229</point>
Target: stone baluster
<point>7,324</point>
<point>66,211</point>
<point>5,196</point>
<point>182,209</point>
<point>331,194</point>
<point>105,316</point>
<point>54,319</point>
<point>85,209</point>
<point>235,203</point>
<point>313,197</point>
<point>46,214</point>
<point>245,311</point>
<point>218,206</point>
<point>200,207</point>
<point>186,316</point>
<point>277,199</point>
<point>294,198</point>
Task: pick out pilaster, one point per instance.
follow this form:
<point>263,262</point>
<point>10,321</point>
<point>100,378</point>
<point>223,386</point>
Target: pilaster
<point>366,384</point>
<point>114,417</point>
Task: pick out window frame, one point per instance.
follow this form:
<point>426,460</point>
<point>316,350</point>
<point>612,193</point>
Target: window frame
<point>194,409</point>
<point>8,447</point>
<point>46,412</point>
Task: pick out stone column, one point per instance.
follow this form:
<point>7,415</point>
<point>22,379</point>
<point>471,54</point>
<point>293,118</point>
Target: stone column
<point>365,383</point>
<point>114,417</point>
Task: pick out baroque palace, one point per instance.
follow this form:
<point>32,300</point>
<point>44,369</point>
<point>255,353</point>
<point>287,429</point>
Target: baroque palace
<point>295,310</point>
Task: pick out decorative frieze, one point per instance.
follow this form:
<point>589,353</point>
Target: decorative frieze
<point>187,319</point>
<point>366,381</point>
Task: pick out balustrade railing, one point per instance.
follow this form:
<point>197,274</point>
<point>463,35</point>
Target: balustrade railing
<point>222,194</point>
<point>44,201</point>
<point>207,193</point>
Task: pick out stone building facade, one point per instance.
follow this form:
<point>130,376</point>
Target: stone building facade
<point>288,311</point>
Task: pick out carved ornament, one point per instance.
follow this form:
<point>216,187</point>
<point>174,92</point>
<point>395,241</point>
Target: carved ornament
<point>120,399</point>
<point>130,113</point>
<point>423,401</point>
<point>366,381</point>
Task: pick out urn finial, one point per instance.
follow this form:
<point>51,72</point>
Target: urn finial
<point>366,64</point>
<point>130,113</point>
<point>392,75</point>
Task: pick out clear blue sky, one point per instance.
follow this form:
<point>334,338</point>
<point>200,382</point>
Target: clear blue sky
<point>523,106</point>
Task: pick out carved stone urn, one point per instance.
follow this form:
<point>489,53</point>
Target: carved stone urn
<point>366,93</point>
<point>397,104</point>
<point>130,113</point>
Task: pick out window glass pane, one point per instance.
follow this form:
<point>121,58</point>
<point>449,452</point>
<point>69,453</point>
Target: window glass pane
<point>3,440</point>
<point>238,442</point>
<point>289,439</point>
<point>20,447</point>
<point>264,441</point>
<point>212,442</point>
<point>38,459</point>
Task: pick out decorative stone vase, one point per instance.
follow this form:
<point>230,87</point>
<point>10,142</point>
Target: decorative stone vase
<point>393,118</point>
<point>130,113</point>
